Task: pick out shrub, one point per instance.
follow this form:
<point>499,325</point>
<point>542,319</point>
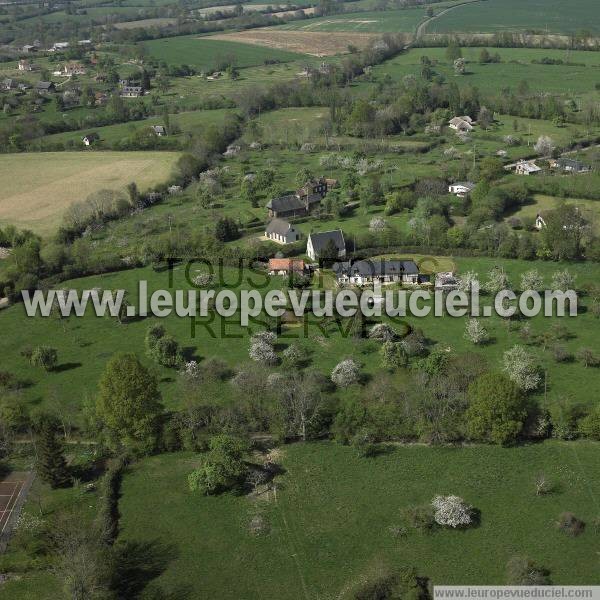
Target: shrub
<point>346,373</point>
<point>45,357</point>
<point>524,571</point>
<point>419,517</point>
<point>570,524</point>
<point>383,332</point>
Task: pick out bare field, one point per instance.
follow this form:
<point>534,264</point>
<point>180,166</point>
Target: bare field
<point>315,43</point>
<point>37,188</point>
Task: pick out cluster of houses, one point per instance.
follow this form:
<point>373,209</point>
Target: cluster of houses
<point>130,89</point>
<point>303,201</point>
<point>566,165</point>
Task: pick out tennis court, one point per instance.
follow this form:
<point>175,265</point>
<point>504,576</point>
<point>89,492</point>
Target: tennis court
<point>13,489</point>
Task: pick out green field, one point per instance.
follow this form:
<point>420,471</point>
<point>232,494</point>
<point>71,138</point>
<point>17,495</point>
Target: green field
<point>188,122</point>
<point>38,187</point>
<point>553,16</point>
<point>331,516</point>
<point>516,66</point>
<point>204,53</point>
<point>85,344</point>
<point>389,21</point>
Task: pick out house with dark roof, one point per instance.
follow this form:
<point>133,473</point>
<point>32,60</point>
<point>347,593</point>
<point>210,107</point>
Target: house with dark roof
<point>570,165</point>
<point>293,205</point>
<point>159,130</point>
<point>132,91</point>
<point>44,86</point>
<point>317,242</point>
<point>90,138</point>
<point>282,232</point>
<point>365,272</point>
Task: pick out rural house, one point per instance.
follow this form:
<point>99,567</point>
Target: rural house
<point>540,221</point>
<point>461,188</point>
<point>446,281</point>
<point>90,138</point>
<point>25,65</point>
<point>293,205</point>
<point>132,91</point>
<point>284,266</point>
<point>315,186</point>
<point>363,272</point>
<point>71,69</point>
<point>159,130</point>
<point>282,232</point>
<point>317,242</point>
<point>9,84</point>
<point>524,167</point>
<point>570,165</point>
<point>44,86</point>
<point>27,48</point>
<point>462,124</point>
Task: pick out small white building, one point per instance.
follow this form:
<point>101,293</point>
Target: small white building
<point>525,167</point>
<point>461,188</point>
<point>282,232</point>
<point>540,222</point>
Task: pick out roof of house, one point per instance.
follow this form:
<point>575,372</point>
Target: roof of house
<point>278,226</point>
<point>376,268</point>
<point>320,240</point>
<point>466,184</point>
<point>159,129</point>
<point>571,163</point>
<point>286,264</point>
<point>531,167</point>
<point>464,120</point>
<point>285,203</point>
<point>91,136</point>
<point>44,85</point>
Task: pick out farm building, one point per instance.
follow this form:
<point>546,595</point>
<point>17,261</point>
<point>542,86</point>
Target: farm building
<point>132,91</point>
<point>159,130</point>
<point>570,165</point>
<point>282,232</point>
<point>284,266</point>
<point>318,242</point>
<point>461,188</point>
<point>525,167</point>
<point>71,69</point>
<point>90,138</point>
<point>28,48</point>
<point>44,86</point>
<point>293,205</point>
<point>363,272</point>
<point>462,124</point>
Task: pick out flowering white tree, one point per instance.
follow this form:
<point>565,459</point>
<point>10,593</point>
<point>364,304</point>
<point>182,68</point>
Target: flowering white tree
<point>452,511</point>
<point>521,368</point>
<point>544,145</point>
<point>268,337</point>
<point>563,280</point>
<point>466,281</point>
<point>261,348</point>
<point>382,332</point>
<point>377,224</point>
<point>475,332</point>
<point>460,65</point>
<point>532,280</point>
<point>346,373</point>
<point>191,371</point>
<point>497,281</point>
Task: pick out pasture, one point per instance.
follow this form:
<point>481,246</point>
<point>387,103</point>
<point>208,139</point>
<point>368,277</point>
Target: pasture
<point>206,53</point>
<point>85,344</point>
<point>331,525</point>
<point>579,77</point>
<point>39,187</point>
<point>545,16</point>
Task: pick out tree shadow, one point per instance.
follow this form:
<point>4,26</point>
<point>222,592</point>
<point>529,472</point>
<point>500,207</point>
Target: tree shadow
<point>137,563</point>
<point>66,367</point>
<point>189,353</point>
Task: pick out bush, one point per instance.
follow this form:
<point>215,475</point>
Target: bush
<point>452,511</point>
<point>346,373</point>
<point>570,524</point>
<point>108,503</point>
<point>45,357</point>
<point>524,571</point>
<point>419,517</point>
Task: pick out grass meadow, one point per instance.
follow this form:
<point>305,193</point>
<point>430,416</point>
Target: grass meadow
<point>38,187</point>
<point>85,344</point>
<point>206,54</point>
<point>331,517</point>
<point>552,16</point>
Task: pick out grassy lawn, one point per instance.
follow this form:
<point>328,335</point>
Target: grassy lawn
<point>204,53</point>
<point>39,187</point>
<point>552,16</point>
<point>332,513</point>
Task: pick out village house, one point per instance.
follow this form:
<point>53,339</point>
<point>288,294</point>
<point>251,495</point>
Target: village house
<point>159,130</point>
<point>365,272</point>
<point>71,69</point>
<point>90,138</point>
<point>461,188</point>
<point>100,98</point>
<point>9,84</point>
<point>28,48</point>
<point>44,86</point>
<point>540,221</point>
<point>131,91</point>
<point>58,46</point>
<point>293,205</point>
<point>317,242</point>
<point>569,165</point>
<point>284,266</point>
<point>462,124</point>
<point>282,232</point>
<point>446,281</point>
<point>524,167</point>
<point>25,65</point>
